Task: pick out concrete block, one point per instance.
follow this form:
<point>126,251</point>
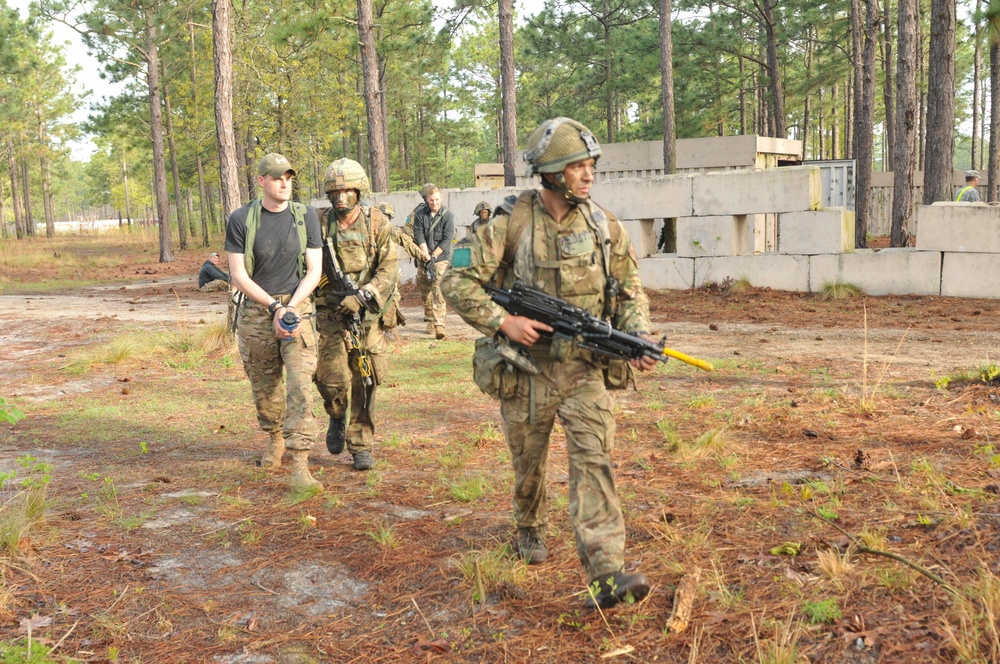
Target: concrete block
<point>768,270</point>
<point>667,272</point>
<point>973,227</point>
<point>970,275</point>
<point>828,231</point>
<point>886,272</point>
<point>643,235</point>
<point>712,236</point>
<point>646,198</point>
<point>791,189</point>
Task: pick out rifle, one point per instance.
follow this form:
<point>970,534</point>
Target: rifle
<point>343,285</point>
<point>589,331</point>
<point>430,271</point>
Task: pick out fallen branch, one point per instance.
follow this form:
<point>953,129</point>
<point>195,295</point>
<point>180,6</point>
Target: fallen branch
<point>684,597</point>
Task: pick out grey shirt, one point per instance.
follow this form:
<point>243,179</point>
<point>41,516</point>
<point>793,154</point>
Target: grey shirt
<point>276,246</point>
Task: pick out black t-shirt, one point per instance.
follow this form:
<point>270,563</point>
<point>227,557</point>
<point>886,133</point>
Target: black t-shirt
<point>276,246</point>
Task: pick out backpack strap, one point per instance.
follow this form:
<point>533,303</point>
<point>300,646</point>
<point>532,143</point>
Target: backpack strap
<point>253,224</point>
<point>519,210</point>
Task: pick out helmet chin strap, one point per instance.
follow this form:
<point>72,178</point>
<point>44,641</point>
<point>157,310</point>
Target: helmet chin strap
<point>560,187</point>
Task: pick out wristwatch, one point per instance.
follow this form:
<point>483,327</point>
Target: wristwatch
<point>274,306</point>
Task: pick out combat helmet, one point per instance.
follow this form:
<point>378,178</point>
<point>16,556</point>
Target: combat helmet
<point>483,205</point>
<point>558,143</point>
<point>387,210</point>
<point>346,174</point>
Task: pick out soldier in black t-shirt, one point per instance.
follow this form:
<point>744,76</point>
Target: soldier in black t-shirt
<point>275,259</point>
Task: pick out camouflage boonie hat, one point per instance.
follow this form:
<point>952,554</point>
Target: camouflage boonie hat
<point>275,165</point>
<point>559,142</point>
<point>387,210</point>
<point>346,174</point>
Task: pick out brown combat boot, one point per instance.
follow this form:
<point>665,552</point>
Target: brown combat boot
<point>439,332</point>
<point>301,479</point>
<point>273,452</point>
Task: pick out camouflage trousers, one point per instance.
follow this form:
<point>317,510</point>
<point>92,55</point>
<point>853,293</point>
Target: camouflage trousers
<point>573,390</point>
<point>270,364</point>
<point>341,378</point>
<point>216,286</point>
<point>430,292</point>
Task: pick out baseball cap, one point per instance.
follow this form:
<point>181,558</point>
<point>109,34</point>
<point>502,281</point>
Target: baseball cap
<point>274,165</point>
<point>971,174</point>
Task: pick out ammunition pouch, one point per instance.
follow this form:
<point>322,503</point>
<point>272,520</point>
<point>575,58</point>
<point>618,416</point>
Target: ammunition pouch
<point>495,367</point>
<point>619,375</point>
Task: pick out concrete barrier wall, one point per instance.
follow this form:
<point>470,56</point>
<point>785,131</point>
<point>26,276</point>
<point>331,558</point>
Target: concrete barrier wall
<point>729,225</point>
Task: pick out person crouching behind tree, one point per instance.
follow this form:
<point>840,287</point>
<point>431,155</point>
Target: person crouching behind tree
<point>352,364</point>
<point>275,261</point>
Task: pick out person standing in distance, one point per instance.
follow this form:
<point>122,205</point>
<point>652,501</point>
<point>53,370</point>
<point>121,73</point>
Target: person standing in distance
<point>433,232</point>
<point>352,367</point>
<point>558,240</point>
<point>275,260</point>
<point>970,192</point>
<point>482,213</point>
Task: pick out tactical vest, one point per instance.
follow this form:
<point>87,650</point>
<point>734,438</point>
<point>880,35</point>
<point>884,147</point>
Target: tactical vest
<point>253,223</point>
<point>581,271</point>
<point>356,248</point>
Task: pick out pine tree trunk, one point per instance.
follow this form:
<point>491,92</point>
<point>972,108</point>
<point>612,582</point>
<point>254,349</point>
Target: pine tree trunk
<point>508,95</point>
<point>224,134</point>
<point>887,96</point>
<point>181,228</point>
<point>15,194</point>
<point>939,169</point>
<point>156,130</point>
<point>993,173</point>
<point>904,161</point>
<point>377,156</point>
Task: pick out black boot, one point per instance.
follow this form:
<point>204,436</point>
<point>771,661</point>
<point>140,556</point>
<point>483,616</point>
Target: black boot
<point>610,589</point>
<point>336,435</point>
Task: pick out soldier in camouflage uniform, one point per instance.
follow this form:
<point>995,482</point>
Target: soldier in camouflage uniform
<point>351,367</point>
<point>275,260</point>
<point>393,314</point>
<point>552,239</point>
<point>482,213</point>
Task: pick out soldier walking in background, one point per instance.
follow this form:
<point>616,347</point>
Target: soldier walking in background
<point>433,231</point>
<point>392,315</point>
<point>352,344</point>
<point>482,213</point>
<point>559,241</point>
<point>275,261</point>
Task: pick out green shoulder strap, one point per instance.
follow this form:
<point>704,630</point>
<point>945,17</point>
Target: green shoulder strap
<point>253,223</point>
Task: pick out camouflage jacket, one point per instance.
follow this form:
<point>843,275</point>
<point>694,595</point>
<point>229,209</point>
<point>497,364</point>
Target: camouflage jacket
<point>372,262</point>
<point>562,259</point>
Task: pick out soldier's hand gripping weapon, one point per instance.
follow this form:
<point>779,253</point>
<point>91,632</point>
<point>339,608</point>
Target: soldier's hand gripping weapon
<point>589,331</point>
<point>343,285</point>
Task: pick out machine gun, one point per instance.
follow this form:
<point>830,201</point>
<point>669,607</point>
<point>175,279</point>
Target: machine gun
<point>343,285</point>
<point>589,331</point>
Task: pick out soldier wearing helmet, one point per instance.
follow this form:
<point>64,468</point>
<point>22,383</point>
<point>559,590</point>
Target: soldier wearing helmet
<point>559,241</point>
<point>352,363</point>
<point>482,213</point>
<point>434,232</point>
<point>275,261</point>
<point>393,314</point>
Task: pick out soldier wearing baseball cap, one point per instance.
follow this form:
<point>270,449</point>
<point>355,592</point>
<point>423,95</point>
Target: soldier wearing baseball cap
<point>275,165</point>
<point>275,260</point>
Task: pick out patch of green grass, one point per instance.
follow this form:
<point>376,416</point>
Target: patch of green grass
<point>468,489</point>
<point>486,571</point>
<point>384,534</point>
<point>822,611</point>
<point>839,290</point>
